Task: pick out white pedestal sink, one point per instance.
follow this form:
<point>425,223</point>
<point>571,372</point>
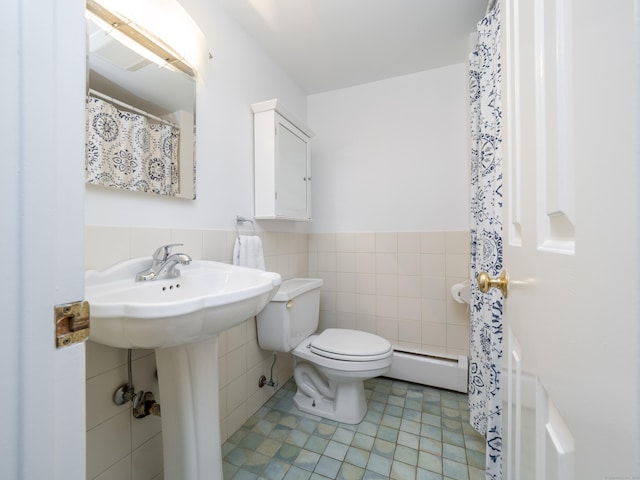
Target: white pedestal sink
<point>180,318</point>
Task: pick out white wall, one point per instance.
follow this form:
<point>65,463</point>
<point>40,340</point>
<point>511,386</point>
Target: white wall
<point>122,225</point>
<point>390,208</point>
<point>392,155</point>
<point>240,74</point>
<point>123,447</point>
<point>396,285</point>
<point>388,157</point>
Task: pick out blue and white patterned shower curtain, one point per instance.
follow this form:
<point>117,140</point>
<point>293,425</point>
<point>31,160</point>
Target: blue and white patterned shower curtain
<point>485,400</point>
<point>125,150</point>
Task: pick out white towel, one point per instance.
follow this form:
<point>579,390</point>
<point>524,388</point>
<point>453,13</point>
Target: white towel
<point>247,252</point>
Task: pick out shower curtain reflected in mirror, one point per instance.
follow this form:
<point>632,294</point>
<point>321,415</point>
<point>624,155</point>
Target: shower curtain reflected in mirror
<point>485,401</point>
<point>126,150</point>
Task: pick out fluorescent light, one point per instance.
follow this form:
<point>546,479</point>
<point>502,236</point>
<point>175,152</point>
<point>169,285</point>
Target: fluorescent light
<point>161,30</point>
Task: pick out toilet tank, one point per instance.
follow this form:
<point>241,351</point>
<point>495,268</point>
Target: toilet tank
<point>291,316</point>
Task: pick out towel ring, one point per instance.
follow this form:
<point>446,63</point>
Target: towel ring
<point>239,221</point>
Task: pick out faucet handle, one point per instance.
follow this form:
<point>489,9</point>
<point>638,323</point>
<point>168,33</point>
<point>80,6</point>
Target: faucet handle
<point>164,251</point>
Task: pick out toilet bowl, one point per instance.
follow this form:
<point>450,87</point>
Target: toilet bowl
<point>330,367</point>
<point>330,370</point>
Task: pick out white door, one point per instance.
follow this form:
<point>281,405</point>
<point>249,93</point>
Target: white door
<point>42,406</point>
<point>571,239</point>
<point>292,166</point>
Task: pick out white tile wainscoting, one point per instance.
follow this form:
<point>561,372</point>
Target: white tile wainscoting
<point>393,284</point>
<point>396,285</point>
<point>125,448</point>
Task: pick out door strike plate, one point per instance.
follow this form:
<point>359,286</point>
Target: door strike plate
<point>71,323</point>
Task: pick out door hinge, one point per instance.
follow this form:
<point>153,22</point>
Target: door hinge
<point>71,323</point>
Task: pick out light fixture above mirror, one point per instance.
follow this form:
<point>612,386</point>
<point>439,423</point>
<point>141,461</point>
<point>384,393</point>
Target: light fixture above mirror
<point>160,30</point>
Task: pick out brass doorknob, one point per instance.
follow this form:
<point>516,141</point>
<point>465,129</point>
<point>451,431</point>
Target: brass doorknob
<point>485,282</point>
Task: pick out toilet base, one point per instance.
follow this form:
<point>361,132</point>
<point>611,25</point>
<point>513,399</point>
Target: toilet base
<point>348,405</point>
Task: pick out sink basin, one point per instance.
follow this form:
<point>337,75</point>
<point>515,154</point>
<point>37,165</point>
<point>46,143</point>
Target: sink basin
<point>207,298</point>
<point>180,318</point>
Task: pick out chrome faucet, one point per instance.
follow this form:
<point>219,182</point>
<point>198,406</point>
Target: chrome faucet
<point>164,264</point>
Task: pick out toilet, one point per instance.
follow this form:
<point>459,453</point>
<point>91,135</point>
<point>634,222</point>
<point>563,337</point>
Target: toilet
<point>330,367</point>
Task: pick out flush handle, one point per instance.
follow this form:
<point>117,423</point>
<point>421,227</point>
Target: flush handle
<point>485,282</point>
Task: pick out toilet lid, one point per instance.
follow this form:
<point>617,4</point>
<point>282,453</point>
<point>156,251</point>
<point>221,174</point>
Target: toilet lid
<point>351,345</point>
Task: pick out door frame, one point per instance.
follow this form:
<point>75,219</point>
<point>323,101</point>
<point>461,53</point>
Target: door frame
<point>42,209</point>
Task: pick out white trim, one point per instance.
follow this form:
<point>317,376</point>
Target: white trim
<point>43,410</point>
<point>451,373</point>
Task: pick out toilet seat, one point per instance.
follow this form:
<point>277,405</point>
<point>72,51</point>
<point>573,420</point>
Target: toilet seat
<point>350,345</point>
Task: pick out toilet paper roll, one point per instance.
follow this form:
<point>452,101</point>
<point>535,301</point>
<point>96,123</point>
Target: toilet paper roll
<point>461,292</point>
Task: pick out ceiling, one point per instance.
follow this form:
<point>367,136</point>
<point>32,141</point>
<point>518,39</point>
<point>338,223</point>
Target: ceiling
<point>330,44</point>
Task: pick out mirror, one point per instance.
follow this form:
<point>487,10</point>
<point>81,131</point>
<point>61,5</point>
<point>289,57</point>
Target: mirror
<point>131,83</point>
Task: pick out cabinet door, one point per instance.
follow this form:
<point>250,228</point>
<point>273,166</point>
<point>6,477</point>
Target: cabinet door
<point>292,166</point>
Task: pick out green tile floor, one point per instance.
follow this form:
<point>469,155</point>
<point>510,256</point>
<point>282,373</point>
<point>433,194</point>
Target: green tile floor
<point>410,432</point>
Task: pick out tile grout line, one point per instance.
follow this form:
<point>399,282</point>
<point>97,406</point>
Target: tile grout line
<point>409,431</point>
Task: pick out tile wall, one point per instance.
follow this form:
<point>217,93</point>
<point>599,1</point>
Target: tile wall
<point>393,284</point>
<point>124,448</point>
<point>396,285</point>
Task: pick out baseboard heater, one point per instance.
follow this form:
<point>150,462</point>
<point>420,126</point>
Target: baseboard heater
<point>441,371</point>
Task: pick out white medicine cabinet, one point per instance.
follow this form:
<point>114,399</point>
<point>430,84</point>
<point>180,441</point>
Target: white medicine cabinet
<point>282,164</point>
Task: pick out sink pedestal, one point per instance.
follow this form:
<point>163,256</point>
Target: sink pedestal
<point>180,318</point>
<point>188,380</point>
